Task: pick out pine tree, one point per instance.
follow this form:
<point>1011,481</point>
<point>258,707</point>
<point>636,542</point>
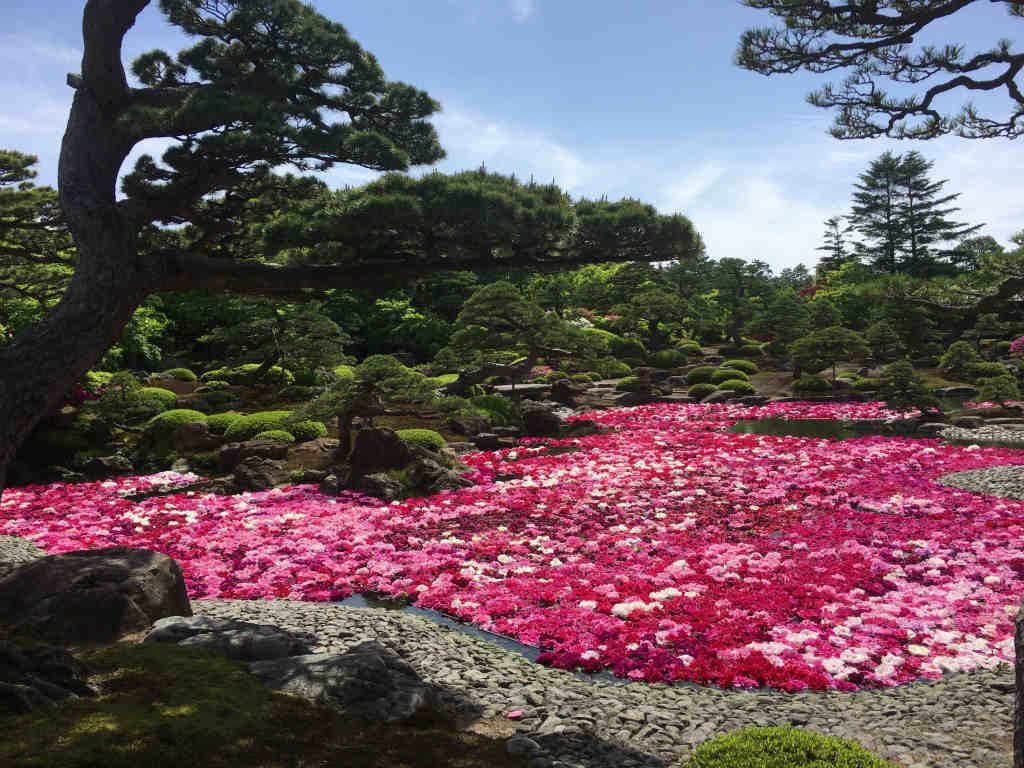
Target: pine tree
<point>833,248</point>
<point>876,213</point>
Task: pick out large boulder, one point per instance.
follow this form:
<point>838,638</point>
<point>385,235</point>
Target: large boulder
<point>38,677</point>
<point>379,448</point>
<point>190,437</point>
<point>369,681</point>
<point>93,596</point>
<point>540,419</point>
<point>469,424</point>
<point>256,474</point>
<point>109,466</point>
<point>378,484</point>
<point>429,477</point>
<point>232,453</point>
<point>315,454</point>
<point>241,640</point>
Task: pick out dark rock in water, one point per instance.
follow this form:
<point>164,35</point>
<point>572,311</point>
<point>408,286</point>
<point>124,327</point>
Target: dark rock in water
<point>93,596</point>
<point>369,681</point>
<point>235,639</point>
<point>379,448</point>
<point>36,678</point>
<point>256,474</point>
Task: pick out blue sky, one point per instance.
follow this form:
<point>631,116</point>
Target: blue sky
<point>606,97</point>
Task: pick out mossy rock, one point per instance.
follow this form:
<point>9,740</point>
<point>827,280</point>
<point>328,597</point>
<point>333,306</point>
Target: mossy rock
<point>782,747</point>
<point>219,422</point>
<point>726,374</point>
<point>428,438</point>
<point>181,374</point>
<point>156,398</point>
<point>277,435</point>
<point>246,427</point>
<point>164,423</point>
<point>307,430</point>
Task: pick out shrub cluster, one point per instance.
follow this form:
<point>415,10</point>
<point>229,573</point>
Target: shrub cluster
<point>700,375</point>
<point>739,386</point>
<point>632,384</point>
<point>156,398</point>
<point>700,391</point>
<point>277,435</point>
<point>181,374</point>
<point>782,747</point>
<point>612,368</point>
<point>246,373</point>
<point>747,366</point>
<point>811,385</point>
<point>164,423</point>
<point>986,370</point>
<point>958,358</point>
<point>307,430</point>
<point>668,358</point>
<point>246,427</point>
<point>500,410</point>
<point>428,438</point>
<point>298,392</point>
<point>217,423</point>
<point>726,374</point>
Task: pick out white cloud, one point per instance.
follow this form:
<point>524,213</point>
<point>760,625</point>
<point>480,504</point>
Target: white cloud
<point>679,194</point>
<point>523,9</point>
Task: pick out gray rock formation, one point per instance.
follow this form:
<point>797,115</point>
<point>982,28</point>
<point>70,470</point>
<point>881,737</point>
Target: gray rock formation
<point>256,474</point>
<point>235,639</point>
<point>38,677</point>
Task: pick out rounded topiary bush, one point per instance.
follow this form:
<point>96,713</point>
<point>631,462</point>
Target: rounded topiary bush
<point>428,438</point>
<point>668,358</point>
<point>156,398</point>
<point>277,435</point>
<point>181,374</point>
<point>632,384</point>
<point>630,349</point>
<point>219,422</point>
<point>246,427</point>
<point>691,348</point>
<point>958,357</point>
<point>724,374</point>
<point>782,747</point>
<point>164,423</point>
<point>307,430</point>
<point>986,370</point>
<point>700,375</point>
<point>700,391</point>
<point>217,397</point>
<point>748,367</point>
<point>612,368</point>
<point>811,385</point>
<point>739,386</point>
<point>297,392</point>
<point>344,371</point>
<point>751,350</point>
<point>868,384</point>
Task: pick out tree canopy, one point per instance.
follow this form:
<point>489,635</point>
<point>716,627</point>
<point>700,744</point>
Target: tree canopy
<point>873,40</point>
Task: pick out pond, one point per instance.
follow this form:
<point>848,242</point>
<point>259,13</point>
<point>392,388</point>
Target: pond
<point>822,428</point>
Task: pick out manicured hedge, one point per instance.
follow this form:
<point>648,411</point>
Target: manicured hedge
<point>157,398</point>
<point>277,435</point>
<point>428,438</point>
<point>811,384</point>
<point>166,422</point>
<point>219,422</point>
<point>700,375</point>
<point>307,430</point>
<point>739,386</point>
<point>181,374</point>
<point>725,374</point>
<point>782,747</point>
<point>746,366</point>
<point>246,427</point>
<point>700,391</point>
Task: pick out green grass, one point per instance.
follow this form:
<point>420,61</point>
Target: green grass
<point>163,706</point>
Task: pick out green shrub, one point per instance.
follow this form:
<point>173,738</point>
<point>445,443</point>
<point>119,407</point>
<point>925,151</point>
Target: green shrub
<point>739,386</point>
<point>428,438</point>
<point>581,378</point>
<point>439,381</point>
<point>632,384</point>
<point>986,370</point>
<point>746,366</point>
<point>612,368</point>
<point>93,381</point>
<point>702,390</point>
<point>277,435</point>
<point>217,397</point>
<point>668,358</point>
<point>166,422</point>
<point>216,384</point>
<point>700,375</point>
<point>724,374</point>
<point>219,422</point>
<point>181,374</point>
<point>297,392</point>
<point>782,747</point>
<point>307,430</point>
<point>691,348</point>
<point>451,403</point>
<point>866,384</point>
<point>501,410</point>
<point>246,373</point>
<point>999,389</point>
<point>811,385</point>
<point>156,398</point>
<point>958,358</point>
<point>1003,348</point>
<point>246,427</point>
<point>626,348</point>
<point>751,350</point>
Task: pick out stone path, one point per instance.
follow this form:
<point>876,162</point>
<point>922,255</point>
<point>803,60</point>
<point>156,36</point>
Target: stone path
<point>571,722</point>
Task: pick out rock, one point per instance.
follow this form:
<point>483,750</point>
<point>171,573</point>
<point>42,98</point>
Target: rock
<point>330,485</point>
<point>380,484</point>
<point>676,382</point>
<point>190,437</point>
<point>93,596</point>
<point>181,465</point>
<point>565,392</point>
<point>752,400</point>
<point>968,422</point>
<point>109,466</point>
<point>369,681</point>
<point>256,474</point>
<point>863,372</point>
<point>632,398</point>
<point>713,359</point>
<point>315,454</point>
<point>930,428</point>
<point>379,448</point>
<point>486,441</point>
<point>428,476</point>
<point>539,419</point>
<point>960,391</point>
<point>232,453</point>
<point>36,678</point>
<point>469,424</point>
<point>719,396</point>
<point>507,431</point>
<point>580,428</point>
<point>241,640</point>
<point>522,746</point>
<point>461,447</point>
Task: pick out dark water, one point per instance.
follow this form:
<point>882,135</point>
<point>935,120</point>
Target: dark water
<point>825,428</point>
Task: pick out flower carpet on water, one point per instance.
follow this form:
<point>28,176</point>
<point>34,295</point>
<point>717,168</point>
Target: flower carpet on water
<point>665,550</point>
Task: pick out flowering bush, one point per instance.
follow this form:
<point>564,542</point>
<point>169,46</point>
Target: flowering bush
<point>664,550</point>
<point>1017,346</point>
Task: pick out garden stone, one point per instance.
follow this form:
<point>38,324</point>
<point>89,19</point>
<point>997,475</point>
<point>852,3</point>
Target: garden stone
<point>461,447</point>
<point>507,431</point>
<point>752,400</point>
<point>676,382</point>
<point>256,474</point>
<point>469,424</point>
<point>380,485</point>
<point>580,428</point>
<point>93,596</point>
<point>713,359</point>
<point>959,391</point>
<point>540,419</point>
<point>632,398</point>
<point>232,453</point>
<point>241,640</point>
<point>192,436</point>
<point>181,465</point>
<point>566,392</point>
<point>522,746</point>
<point>315,454</point>
<point>109,466</point>
<point>968,422</point>
<point>930,428</point>
<point>35,678</point>
<point>368,681</point>
<point>720,396</point>
<point>486,441</point>
<point>379,448</point>
<point>430,477</point>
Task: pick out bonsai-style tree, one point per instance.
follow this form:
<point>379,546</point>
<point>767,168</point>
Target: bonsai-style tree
<point>884,342</point>
<point>827,347</point>
<point>904,390</point>
<point>999,389</point>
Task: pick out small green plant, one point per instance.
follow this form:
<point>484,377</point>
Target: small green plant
<point>751,350</point>
<point>451,403</point>
<point>905,390</point>
<point>295,392</point>
<point>612,368</point>
<point>180,374</point>
<point>428,438</point>
<point>307,429</point>
<point>986,370</point>
<point>958,358</point>
<point>806,385</point>
<point>700,375</point>
<point>277,435</point>
<point>747,366</point>
<point>739,386</point>
<point>217,423</point>
<point>164,423</point>
<point>246,427</point>
<point>725,374</point>
<point>866,384</point>
<point>691,349</point>
<point>782,747</point>
<point>156,398</point>
<point>700,391</point>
